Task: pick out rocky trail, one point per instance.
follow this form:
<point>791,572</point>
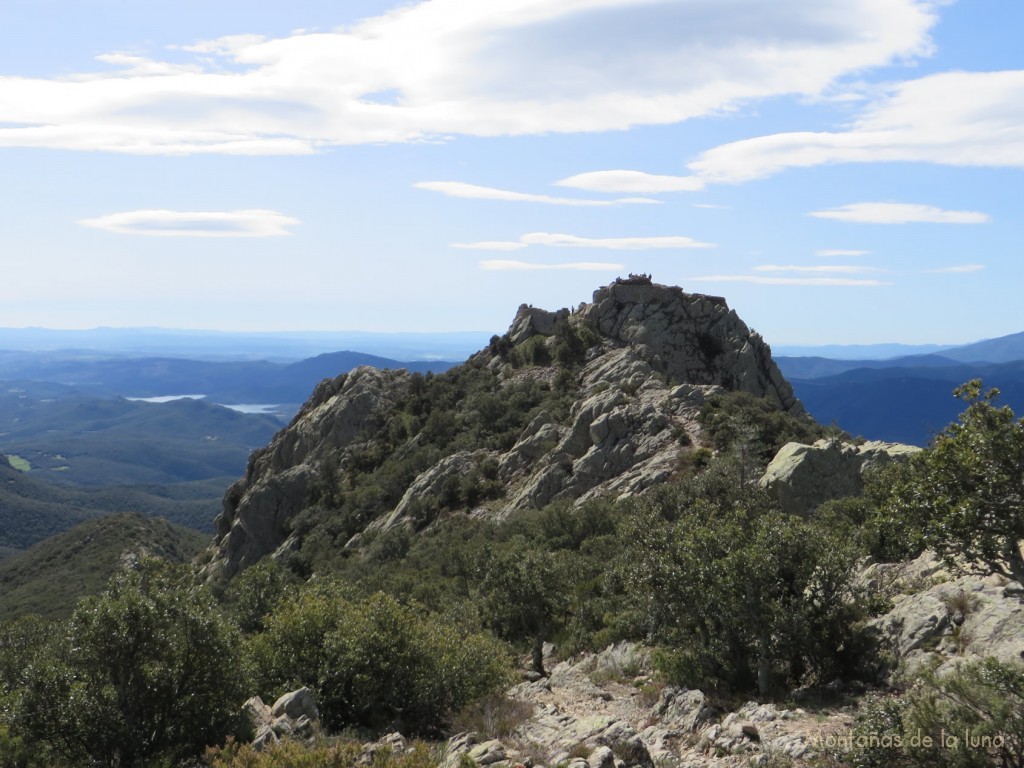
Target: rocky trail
<point>603,711</point>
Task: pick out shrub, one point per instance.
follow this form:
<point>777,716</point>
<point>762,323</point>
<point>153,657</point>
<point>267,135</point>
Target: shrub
<point>965,493</point>
<point>373,662</point>
<point>340,754</point>
<point>971,717</point>
<point>740,594</point>
<point>146,671</point>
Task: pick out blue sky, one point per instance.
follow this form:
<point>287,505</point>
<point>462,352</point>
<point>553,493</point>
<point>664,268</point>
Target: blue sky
<point>843,171</point>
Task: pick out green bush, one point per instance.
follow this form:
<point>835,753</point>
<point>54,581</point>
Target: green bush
<point>972,717</point>
<point>339,754</point>
<point>373,662</point>
<point>741,595</point>
<point>147,671</point>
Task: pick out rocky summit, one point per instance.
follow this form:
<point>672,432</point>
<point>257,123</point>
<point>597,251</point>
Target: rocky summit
<point>607,396</point>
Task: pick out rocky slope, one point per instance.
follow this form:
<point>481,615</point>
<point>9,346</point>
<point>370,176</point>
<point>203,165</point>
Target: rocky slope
<point>632,368</point>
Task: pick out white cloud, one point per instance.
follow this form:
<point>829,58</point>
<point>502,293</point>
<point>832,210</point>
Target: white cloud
<point>464,67</point>
<point>499,265</point>
<point>840,252</point>
<point>762,280</point>
<point>831,268</point>
<point>491,245</point>
<point>248,223</point>
<point>959,269</point>
<point>613,243</point>
<point>900,213</point>
<point>549,239</point>
<point>952,118</point>
<point>461,189</point>
<point>631,182</point>
<point>712,206</point>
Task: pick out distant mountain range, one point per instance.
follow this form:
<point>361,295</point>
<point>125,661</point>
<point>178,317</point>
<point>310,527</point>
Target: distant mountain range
<point>283,346</point>
<point>908,398</point>
<point>76,448</point>
<point>230,382</point>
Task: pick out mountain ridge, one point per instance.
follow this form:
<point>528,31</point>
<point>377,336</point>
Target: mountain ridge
<point>607,394</point>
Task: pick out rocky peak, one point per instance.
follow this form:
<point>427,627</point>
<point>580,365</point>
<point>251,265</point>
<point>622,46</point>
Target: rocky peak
<point>690,338</point>
<point>598,401</point>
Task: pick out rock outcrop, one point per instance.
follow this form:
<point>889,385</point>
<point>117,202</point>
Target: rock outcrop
<point>279,478</point>
<point>943,616</point>
<point>293,715</point>
<point>689,338</point>
<point>801,477</point>
<point>646,357</point>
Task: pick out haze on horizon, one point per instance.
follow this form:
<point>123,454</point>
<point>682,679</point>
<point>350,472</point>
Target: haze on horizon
<point>842,172</point>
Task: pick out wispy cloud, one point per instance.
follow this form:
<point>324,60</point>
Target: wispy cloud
<point>635,182</point>
<point>499,265</point>
<point>473,191</point>
<point>959,269</point>
<point>762,280</point>
<point>952,118</point>
<point>830,268</point>
<point>159,223</point>
<point>492,245</point>
<point>463,67</point>
<point>553,240</point>
<point>900,213</point>
<point>840,252</point>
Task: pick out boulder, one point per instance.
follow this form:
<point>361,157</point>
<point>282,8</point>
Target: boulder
<point>801,477</point>
<point>296,704</point>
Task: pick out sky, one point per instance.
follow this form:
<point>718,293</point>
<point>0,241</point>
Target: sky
<point>842,171</point>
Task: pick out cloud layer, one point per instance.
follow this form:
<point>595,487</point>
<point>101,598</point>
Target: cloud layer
<point>247,223</point>
<point>952,118</point>
<point>442,67</point>
<point>501,265</point>
<point>900,213</point>
<point>476,192</point>
<point>635,182</point>
<point>573,241</point>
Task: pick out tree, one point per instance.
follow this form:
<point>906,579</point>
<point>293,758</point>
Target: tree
<point>148,670</point>
<point>965,493</point>
<point>526,594</point>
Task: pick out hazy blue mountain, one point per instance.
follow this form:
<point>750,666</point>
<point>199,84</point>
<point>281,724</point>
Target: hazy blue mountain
<point>817,367</point>
<point>1000,350</point>
<point>235,381</point>
<point>904,403</point>
<point>287,346</point>
<point>77,438</point>
<point>857,351</point>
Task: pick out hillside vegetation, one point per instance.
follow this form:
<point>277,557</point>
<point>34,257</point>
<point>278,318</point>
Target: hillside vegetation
<point>50,577</point>
<point>434,538</point>
<point>32,510</point>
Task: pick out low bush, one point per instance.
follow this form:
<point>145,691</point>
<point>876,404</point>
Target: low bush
<point>373,662</point>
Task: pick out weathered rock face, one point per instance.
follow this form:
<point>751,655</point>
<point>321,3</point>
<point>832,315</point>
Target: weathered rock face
<point>945,616</point>
<point>690,338</point>
<point>655,353</point>
<point>801,477</point>
<point>294,715</point>
<point>279,478</point>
